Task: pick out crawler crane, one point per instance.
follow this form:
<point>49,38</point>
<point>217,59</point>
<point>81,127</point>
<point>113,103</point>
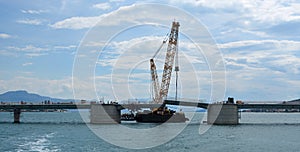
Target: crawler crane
<point>161,92</point>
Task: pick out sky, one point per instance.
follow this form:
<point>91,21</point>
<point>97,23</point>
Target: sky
<point>246,49</point>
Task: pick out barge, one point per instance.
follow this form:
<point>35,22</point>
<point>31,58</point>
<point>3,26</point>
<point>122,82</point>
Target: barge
<point>160,115</point>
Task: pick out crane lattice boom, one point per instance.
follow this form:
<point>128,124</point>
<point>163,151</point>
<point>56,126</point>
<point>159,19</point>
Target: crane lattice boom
<point>168,66</point>
<point>154,78</point>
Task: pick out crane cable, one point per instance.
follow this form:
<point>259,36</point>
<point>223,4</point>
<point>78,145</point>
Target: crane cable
<point>164,42</point>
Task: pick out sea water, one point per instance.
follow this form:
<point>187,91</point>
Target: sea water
<point>66,131</point>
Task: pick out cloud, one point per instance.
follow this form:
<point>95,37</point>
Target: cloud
<point>137,14</point>
<point>65,47</point>
<point>8,53</point>
<point>76,23</point>
<point>281,44</point>
<point>245,31</point>
<point>262,84</point>
<point>28,48</point>
<point>266,12</point>
<point>102,6</point>
<point>61,88</point>
<point>35,51</point>
<point>88,22</point>
<point>129,68</point>
<point>27,64</point>
<point>116,0</point>
<point>273,55</point>
<point>250,61</point>
<point>5,36</point>
<point>30,21</point>
<point>33,11</point>
<point>262,69</point>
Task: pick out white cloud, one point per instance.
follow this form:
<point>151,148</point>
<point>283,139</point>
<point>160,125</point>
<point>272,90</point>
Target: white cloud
<point>262,69</point>
<point>8,53</point>
<point>36,54</point>
<point>129,63</point>
<point>27,64</point>
<point>88,22</point>
<point>61,88</point>
<point>246,60</point>
<point>281,44</point>
<point>274,11</point>
<point>116,0</point>
<point>36,51</point>
<point>137,14</point>
<point>33,11</point>
<point>76,23</point>
<point>268,12</point>
<point>102,6</point>
<point>30,21</point>
<point>4,36</point>
<point>28,48</point>
<point>245,31</point>
<point>277,56</point>
<point>65,47</point>
<point>216,4</point>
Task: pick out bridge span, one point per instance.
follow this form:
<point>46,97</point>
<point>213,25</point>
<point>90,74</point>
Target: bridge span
<point>227,113</point>
<point>100,113</point>
<point>239,106</point>
<point>110,113</point>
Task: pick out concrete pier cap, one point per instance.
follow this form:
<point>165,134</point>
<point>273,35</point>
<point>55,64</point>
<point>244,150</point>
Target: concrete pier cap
<point>223,114</point>
<point>105,114</point>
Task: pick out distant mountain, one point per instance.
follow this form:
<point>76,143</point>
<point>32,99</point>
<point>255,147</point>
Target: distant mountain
<point>22,95</point>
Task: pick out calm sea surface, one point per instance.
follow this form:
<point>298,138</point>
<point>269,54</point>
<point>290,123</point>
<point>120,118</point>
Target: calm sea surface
<point>62,132</point>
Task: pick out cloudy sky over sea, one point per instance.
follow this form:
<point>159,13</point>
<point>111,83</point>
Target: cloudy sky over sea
<point>258,43</point>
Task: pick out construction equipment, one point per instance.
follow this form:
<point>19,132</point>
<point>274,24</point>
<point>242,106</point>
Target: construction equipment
<point>162,92</point>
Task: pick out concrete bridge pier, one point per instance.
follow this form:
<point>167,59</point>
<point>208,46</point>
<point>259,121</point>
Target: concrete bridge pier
<point>105,114</point>
<point>17,114</point>
<point>222,114</point>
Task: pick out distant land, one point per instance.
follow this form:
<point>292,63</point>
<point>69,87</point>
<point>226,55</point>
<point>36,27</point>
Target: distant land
<point>22,95</point>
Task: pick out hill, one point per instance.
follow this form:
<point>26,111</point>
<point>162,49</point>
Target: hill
<point>22,95</point>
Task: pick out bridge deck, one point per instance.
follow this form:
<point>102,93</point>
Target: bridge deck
<point>44,106</point>
<point>268,106</point>
<point>72,106</point>
<point>186,103</point>
<point>139,106</point>
<point>240,106</point>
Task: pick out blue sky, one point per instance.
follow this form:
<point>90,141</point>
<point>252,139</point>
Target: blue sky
<point>41,43</point>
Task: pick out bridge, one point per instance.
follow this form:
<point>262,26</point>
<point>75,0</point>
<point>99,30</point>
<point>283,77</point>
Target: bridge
<point>110,113</point>
<point>239,106</point>
<point>72,106</point>
<point>100,113</point>
<point>44,106</point>
<point>227,113</point>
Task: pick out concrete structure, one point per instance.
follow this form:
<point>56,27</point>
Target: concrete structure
<point>222,114</point>
<point>97,112</point>
<point>17,113</point>
<point>227,114</point>
<point>105,114</point>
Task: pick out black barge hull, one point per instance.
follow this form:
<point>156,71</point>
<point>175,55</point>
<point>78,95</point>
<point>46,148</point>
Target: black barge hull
<point>156,118</point>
